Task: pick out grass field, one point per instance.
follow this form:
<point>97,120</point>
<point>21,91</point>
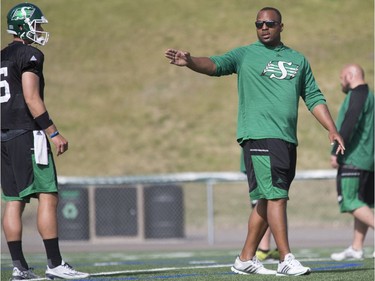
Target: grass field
<point>198,266</point>
<point>126,111</point>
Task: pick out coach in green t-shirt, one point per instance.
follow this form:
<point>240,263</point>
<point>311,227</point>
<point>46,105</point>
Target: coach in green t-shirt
<point>271,79</point>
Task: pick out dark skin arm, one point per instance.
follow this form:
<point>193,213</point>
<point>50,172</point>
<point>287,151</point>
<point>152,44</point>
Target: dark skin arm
<point>322,114</point>
<point>202,65</point>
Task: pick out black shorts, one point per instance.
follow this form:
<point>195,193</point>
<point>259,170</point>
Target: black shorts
<point>21,177</point>
<point>270,166</point>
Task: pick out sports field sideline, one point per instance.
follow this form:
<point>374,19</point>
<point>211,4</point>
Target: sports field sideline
<point>202,265</point>
<point>187,260</point>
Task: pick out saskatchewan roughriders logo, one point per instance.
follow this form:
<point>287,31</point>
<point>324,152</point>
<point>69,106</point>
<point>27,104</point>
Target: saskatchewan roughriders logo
<point>23,13</point>
<point>280,70</point>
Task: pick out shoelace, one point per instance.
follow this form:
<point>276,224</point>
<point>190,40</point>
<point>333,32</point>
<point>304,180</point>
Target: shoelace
<point>29,274</point>
<point>67,265</point>
<point>294,262</point>
<point>257,262</point>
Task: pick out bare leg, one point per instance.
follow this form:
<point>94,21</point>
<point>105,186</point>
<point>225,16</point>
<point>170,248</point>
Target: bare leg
<point>257,226</point>
<point>363,219</point>
<point>365,215</point>
<point>12,220</point>
<point>277,219</point>
<point>360,230</point>
<point>47,215</point>
<point>265,243</point>
<point>12,225</point>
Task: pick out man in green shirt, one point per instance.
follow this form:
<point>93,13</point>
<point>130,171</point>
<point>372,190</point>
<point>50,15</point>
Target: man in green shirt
<point>355,175</point>
<point>271,79</point>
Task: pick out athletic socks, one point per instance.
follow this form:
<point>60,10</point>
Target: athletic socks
<point>18,259</point>
<point>53,252</point>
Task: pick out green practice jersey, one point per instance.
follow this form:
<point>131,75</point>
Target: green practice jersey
<point>355,123</point>
<point>270,82</point>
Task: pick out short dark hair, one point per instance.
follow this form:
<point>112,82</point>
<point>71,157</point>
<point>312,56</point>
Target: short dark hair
<point>272,9</point>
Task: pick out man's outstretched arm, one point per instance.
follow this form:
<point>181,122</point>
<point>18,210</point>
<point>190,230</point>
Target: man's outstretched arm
<point>202,65</point>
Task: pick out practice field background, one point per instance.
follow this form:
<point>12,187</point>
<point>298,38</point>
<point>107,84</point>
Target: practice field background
<point>126,111</point>
<point>200,265</point>
<point>316,229</point>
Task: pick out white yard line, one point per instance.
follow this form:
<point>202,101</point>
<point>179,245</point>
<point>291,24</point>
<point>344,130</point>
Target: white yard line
<point>164,269</point>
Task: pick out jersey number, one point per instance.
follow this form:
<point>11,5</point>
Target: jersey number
<point>4,84</point>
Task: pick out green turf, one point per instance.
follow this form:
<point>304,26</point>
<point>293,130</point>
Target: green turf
<point>198,265</point>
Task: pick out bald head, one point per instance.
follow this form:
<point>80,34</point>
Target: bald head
<point>351,76</point>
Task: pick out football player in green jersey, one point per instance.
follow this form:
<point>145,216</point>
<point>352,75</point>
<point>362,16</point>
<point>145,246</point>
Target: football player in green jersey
<point>355,174</point>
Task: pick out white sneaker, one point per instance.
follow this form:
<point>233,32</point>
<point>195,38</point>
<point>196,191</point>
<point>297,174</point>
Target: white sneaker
<point>253,266</point>
<point>64,271</point>
<point>348,253</point>
<point>291,267</point>
<point>22,275</point>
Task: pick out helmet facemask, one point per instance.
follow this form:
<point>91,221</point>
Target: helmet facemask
<point>35,34</point>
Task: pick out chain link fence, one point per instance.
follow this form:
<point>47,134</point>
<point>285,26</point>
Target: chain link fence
<point>190,206</point>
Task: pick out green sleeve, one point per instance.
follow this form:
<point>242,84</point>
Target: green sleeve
<point>229,62</point>
<point>311,93</point>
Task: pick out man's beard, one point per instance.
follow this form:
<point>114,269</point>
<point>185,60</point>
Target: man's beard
<point>345,89</point>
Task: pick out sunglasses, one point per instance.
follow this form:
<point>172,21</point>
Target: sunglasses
<point>270,24</point>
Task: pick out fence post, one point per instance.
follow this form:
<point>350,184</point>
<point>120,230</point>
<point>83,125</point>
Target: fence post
<point>210,213</point>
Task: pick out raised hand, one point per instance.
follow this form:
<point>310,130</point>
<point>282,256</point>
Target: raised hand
<point>177,57</point>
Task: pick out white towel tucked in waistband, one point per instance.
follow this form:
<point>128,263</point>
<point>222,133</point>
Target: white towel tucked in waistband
<point>40,148</point>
